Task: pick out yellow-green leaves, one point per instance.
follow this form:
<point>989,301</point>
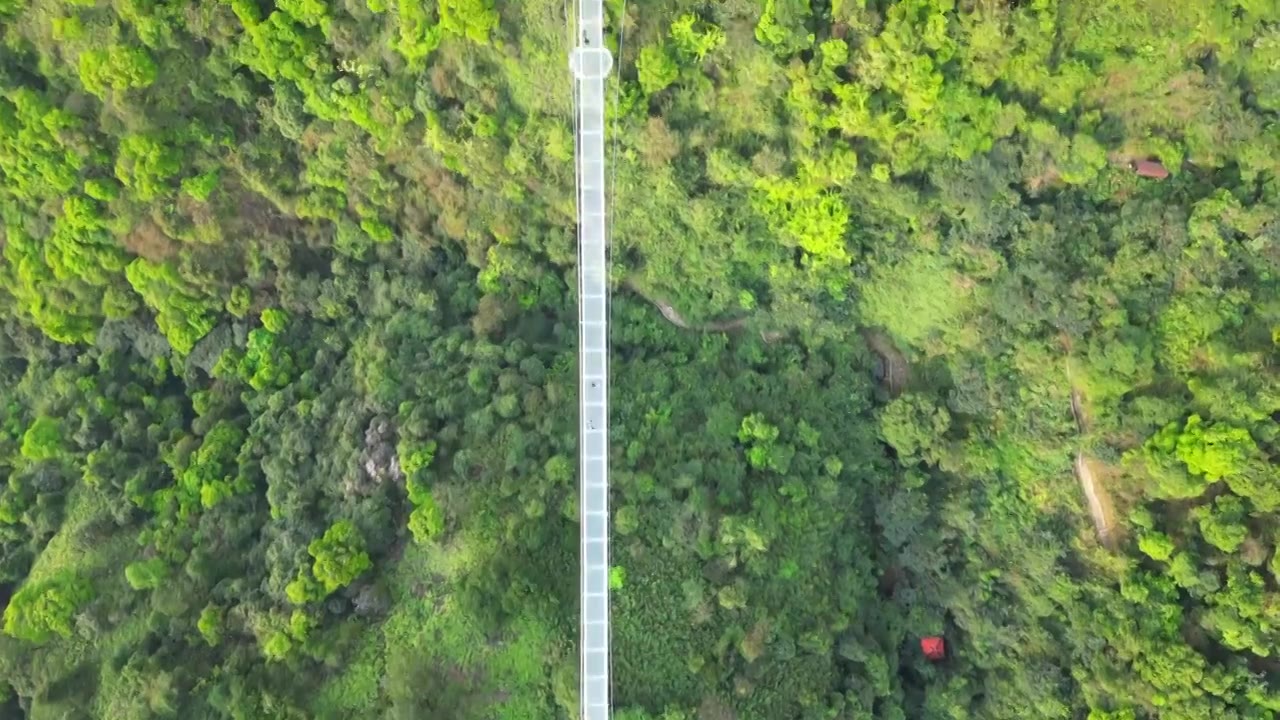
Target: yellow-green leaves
<point>689,42</point>
<point>472,19</point>
<point>146,574</point>
<point>277,646</point>
<point>119,67</point>
<point>695,42</point>
<point>426,522</point>
<point>181,316</point>
<point>339,556</point>
<point>44,608</point>
<point>806,215</point>
<point>1184,459</point>
<point>1156,545</point>
<point>1215,451</point>
<point>656,68</point>
<point>43,440</point>
<point>418,33</point>
<point>35,155</point>
<point>782,26</point>
<point>914,426</point>
<point>314,13</point>
<point>210,625</point>
<point>764,452</point>
<point>1222,524</point>
<point>915,299</point>
<point>211,471</point>
<point>274,320</point>
<point>1187,326</point>
<point>1084,161</point>
<point>146,163</point>
<point>267,363</point>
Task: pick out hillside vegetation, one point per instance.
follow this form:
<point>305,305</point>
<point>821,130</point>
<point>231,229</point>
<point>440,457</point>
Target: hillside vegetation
<point>288,379</point>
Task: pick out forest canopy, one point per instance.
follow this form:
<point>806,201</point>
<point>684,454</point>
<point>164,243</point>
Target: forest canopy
<point>950,318</point>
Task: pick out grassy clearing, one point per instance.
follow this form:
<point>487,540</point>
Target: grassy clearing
<point>75,548</point>
<point>654,625</point>
<point>358,687</point>
<point>506,679</point>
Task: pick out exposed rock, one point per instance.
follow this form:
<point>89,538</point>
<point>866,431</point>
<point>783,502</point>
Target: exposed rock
<point>378,463</point>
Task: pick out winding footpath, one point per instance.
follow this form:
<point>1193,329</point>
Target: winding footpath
<point>1095,495</point>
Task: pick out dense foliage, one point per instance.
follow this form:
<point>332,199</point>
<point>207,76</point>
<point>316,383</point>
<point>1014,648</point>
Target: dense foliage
<point>903,346</point>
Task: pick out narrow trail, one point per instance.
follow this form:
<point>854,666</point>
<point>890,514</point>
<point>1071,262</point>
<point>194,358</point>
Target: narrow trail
<point>897,371</point>
<point>1098,502</point>
<point>675,318</point>
<point>1096,496</point>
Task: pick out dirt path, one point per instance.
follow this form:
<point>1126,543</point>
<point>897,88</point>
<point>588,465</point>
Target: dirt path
<point>1097,499</point>
<point>1095,495</point>
<point>897,372</point>
<point>675,318</point>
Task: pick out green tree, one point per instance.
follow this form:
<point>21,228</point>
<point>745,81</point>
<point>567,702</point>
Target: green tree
<point>656,68</point>
<point>1216,450</point>
<point>44,608</point>
<point>472,19</point>
<point>1156,545</point>
<point>693,42</point>
<point>145,165</point>
<point>119,67</point>
<point>240,300</point>
<point>426,522</point>
<point>146,574</point>
<point>183,317</point>
<point>43,440</point>
<point>919,298</point>
<point>275,320</point>
<point>210,625</point>
<point>415,459</point>
<point>914,426</point>
<point>304,589</point>
<point>277,646</point>
<point>339,556</point>
<point>1222,525</point>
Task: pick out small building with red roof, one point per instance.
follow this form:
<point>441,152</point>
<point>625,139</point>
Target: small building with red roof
<point>934,647</point>
<point>1150,169</point>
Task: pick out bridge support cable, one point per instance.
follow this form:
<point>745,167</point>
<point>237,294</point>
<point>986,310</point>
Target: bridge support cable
<point>591,62</point>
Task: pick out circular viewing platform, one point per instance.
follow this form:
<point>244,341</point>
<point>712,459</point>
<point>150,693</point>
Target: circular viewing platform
<point>589,63</point>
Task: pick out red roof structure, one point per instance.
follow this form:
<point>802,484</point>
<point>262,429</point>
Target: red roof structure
<point>934,647</point>
<point>1150,169</point>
